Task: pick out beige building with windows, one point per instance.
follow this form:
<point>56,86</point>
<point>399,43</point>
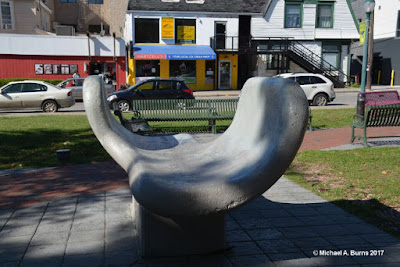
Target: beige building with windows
<point>65,17</point>
<point>25,17</point>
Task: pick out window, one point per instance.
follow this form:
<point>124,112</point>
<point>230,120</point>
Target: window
<point>185,69</point>
<point>147,31</point>
<point>166,85</point>
<point>398,25</point>
<point>325,16</point>
<point>302,80</point>
<point>99,29</point>
<point>33,87</point>
<point>146,86</point>
<point>13,88</point>
<point>330,55</point>
<point>95,1</point>
<point>276,61</point>
<point>68,1</point>
<point>185,31</point>
<point>6,16</point>
<point>316,80</point>
<point>293,14</point>
<point>147,68</point>
<point>210,70</point>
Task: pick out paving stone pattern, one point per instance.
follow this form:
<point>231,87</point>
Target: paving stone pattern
<point>287,225</point>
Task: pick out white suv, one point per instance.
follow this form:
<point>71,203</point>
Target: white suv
<point>318,88</point>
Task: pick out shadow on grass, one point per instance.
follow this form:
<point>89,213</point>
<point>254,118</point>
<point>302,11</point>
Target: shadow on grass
<point>37,148</point>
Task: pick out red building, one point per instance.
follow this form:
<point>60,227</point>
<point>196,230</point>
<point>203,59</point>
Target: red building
<point>58,57</point>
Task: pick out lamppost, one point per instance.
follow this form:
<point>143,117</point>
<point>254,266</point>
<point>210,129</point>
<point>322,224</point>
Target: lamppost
<point>369,6</point>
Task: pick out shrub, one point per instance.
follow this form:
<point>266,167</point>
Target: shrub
<point>5,81</point>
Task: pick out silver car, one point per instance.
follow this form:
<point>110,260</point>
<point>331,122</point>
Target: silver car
<point>76,84</point>
<point>35,94</point>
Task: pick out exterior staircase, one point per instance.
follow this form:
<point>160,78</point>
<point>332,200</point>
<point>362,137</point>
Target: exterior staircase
<point>298,53</point>
<point>315,64</point>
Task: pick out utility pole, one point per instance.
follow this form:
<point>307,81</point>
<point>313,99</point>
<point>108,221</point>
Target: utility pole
<point>370,51</point>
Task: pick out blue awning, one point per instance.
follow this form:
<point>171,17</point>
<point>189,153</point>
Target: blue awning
<point>173,52</point>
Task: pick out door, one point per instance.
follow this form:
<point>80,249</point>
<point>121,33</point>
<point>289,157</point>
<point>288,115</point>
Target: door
<point>10,96</point>
<point>306,85</point>
<point>166,90</point>
<point>225,74</point>
<point>32,95</point>
<point>146,90</point>
<point>220,34</point>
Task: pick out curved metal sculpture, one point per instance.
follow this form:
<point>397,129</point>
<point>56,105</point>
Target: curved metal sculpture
<point>182,184</point>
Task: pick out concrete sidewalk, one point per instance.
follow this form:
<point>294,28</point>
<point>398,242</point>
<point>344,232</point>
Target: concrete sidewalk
<point>80,216</point>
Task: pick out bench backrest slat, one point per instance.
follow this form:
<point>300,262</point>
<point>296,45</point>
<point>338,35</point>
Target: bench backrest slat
<point>382,115</point>
<point>186,109</point>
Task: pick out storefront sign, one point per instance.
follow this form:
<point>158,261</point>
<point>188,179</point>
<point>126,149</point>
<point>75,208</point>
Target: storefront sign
<point>167,28</point>
<point>150,56</point>
<point>55,68</point>
<point>186,34</point>
<point>178,56</point>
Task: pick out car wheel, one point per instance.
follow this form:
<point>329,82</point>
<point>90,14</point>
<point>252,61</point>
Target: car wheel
<point>320,100</point>
<point>181,105</point>
<point>49,106</point>
<point>123,106</point>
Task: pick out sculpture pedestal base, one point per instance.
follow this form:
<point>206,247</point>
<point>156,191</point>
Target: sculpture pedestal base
<point>159,236</point>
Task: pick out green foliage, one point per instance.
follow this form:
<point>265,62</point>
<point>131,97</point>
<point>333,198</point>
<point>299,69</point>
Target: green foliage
<point>354,85</point>
<point>5,81</point>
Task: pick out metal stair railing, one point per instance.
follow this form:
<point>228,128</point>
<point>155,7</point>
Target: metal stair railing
<point>317,62</point>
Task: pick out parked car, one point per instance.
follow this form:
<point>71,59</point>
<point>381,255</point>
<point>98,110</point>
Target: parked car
<point>318,88</point>
<point>35,94</point>
<point>150,89</point>
<point>76,84</point>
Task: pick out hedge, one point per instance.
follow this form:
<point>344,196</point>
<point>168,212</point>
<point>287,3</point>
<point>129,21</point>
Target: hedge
<point>5,81</point>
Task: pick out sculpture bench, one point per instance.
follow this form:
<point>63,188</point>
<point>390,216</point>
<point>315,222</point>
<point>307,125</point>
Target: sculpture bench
<point>210,110</point>
<point>390,97</point>
<point>182,189</point>
<point>375,116</point>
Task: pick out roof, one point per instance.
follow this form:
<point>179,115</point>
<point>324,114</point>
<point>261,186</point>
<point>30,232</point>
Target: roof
<point>225,6</point>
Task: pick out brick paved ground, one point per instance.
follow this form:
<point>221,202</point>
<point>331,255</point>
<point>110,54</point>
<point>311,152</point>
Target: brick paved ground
<point>79,216</point>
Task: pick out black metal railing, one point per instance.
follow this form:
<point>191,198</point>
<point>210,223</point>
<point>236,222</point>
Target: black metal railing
<point>294,49</point>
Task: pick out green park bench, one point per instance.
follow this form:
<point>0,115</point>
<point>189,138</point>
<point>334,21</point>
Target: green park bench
<point>158,110</point>
<point>210,110</point>
<point>375,116</point>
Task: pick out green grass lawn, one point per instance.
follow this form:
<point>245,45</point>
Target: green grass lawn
<point>332,118</point>
<point>366,182</point>
<point>29,142</point>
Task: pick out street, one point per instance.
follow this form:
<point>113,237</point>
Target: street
<point>343,100</point>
